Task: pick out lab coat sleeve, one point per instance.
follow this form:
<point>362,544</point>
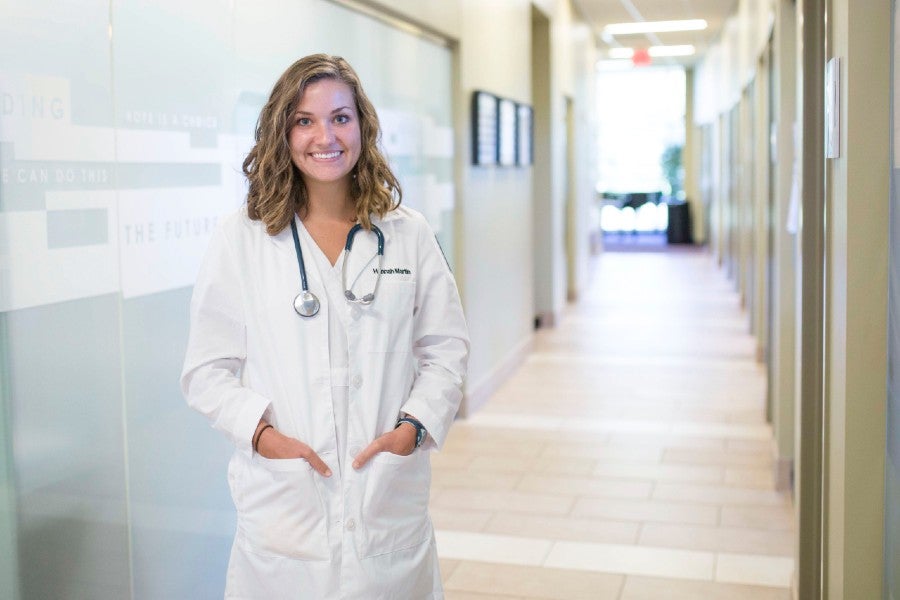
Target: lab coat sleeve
<point>216,348</point>
<point>440,342</point>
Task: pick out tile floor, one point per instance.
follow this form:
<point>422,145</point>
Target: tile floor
<point>628,458</point>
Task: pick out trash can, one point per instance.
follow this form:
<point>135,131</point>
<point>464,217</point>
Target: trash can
<point>678,230</point>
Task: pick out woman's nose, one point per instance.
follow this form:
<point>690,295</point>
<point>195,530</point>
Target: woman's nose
<point>324,133</point>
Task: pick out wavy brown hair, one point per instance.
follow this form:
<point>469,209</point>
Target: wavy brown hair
<point>277,190</point>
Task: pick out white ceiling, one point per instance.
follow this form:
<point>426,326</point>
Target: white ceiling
<point>599,13</point>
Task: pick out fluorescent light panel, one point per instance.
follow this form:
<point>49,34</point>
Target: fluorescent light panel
<point>655,27</point>
<point>621,52</point>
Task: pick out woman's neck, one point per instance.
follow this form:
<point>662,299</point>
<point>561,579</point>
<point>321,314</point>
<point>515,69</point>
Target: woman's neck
<point>329,202</point>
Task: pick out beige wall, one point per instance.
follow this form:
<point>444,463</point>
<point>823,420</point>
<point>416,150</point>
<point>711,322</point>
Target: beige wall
<point>584,57</point>
<point>855,265</point>
<point>761,207</point>
<point>734,76</point>
<point>730,64</point>
<point>553,298</point>
<point>444,17</point>
<point>720,83</point>
<point>691,161</point>
<point>571,75</point>
<point>782,372</point>
<point>856,302</point>
<point>572,60</point>
<point>496,267</point>
<point>496,203</point>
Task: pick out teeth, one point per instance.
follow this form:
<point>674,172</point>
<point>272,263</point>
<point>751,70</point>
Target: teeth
<point>325,155</point>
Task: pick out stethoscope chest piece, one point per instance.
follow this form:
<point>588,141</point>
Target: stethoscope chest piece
<point>306,304</point>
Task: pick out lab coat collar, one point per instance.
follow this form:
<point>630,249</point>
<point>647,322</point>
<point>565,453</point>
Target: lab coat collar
<point>386,224</point>
<point>284,238</point>
<point>390,216</point>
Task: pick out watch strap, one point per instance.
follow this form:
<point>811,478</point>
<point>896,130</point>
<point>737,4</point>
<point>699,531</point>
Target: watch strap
<point>420,429</point>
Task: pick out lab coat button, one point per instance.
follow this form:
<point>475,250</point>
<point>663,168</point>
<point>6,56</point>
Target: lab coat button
<point>355,312</point>
<point>357,381</point>
<point>350,525</point>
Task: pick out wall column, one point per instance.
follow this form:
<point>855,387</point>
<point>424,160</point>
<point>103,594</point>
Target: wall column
<point>856,268</point>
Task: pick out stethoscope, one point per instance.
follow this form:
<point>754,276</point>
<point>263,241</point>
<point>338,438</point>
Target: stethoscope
<point>306,304</point>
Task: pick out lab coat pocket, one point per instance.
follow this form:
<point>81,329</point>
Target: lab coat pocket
<point>395,504</point>
<point>388,321</point>
<point>280,509</point>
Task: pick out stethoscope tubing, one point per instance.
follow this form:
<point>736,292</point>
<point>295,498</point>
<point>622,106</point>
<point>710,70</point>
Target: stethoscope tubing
<point>348,293</point>
<point>352,234</point>
<point>306,304</point>
<point>299,255</point>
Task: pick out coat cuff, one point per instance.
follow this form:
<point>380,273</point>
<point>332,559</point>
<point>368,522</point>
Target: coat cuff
<point>436,425</point>
<point>253,409</point>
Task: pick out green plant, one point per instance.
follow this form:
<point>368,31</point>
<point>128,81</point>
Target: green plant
<point>672,167</point>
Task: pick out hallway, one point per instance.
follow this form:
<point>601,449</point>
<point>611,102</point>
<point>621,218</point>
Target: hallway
<point>628,458</point>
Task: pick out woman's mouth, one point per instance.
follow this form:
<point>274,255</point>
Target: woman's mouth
<point>325,155</point>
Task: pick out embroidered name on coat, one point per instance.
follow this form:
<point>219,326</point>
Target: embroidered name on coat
<point>393,271</point>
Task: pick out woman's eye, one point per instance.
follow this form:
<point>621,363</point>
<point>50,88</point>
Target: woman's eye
<point>304,121</point>
<point>342,119</point>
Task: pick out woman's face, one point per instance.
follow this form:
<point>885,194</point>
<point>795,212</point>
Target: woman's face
<point>325,138</point>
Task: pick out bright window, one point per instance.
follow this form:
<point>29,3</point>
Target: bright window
<point>641,113</point>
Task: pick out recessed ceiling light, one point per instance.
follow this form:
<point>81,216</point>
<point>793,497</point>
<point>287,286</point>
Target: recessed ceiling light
<point>655,27</point>
<point>684,50</point>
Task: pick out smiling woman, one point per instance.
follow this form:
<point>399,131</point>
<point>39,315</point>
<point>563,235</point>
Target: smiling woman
<point>319,454</point>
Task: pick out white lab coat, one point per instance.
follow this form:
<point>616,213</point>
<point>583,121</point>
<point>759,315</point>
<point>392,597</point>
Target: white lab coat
<point>358,534</point>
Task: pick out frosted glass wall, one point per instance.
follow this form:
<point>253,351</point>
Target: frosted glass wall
<point>122,129</point>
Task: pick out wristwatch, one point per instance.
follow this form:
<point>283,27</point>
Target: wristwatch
<point>420,429</point>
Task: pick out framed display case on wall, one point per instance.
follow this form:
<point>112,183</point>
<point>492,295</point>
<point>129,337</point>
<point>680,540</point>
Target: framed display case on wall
<point>524,134</point>
<point>502,131</point>
<point>485,128</point>
<point>507,133</point>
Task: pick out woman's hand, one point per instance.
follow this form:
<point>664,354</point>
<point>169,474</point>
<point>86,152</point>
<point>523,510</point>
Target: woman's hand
<point>271,443</point>
<point>402,441</point>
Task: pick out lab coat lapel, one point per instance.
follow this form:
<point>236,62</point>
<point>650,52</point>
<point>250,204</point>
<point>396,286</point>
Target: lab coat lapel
<point>284,240</point>
<point>328,275</point>
<point>302,336</point>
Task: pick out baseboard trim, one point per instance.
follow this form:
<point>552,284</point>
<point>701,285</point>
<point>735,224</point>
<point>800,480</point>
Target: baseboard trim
<point>478,394</point>
<point>547,319</point>
<point>784,474</point>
